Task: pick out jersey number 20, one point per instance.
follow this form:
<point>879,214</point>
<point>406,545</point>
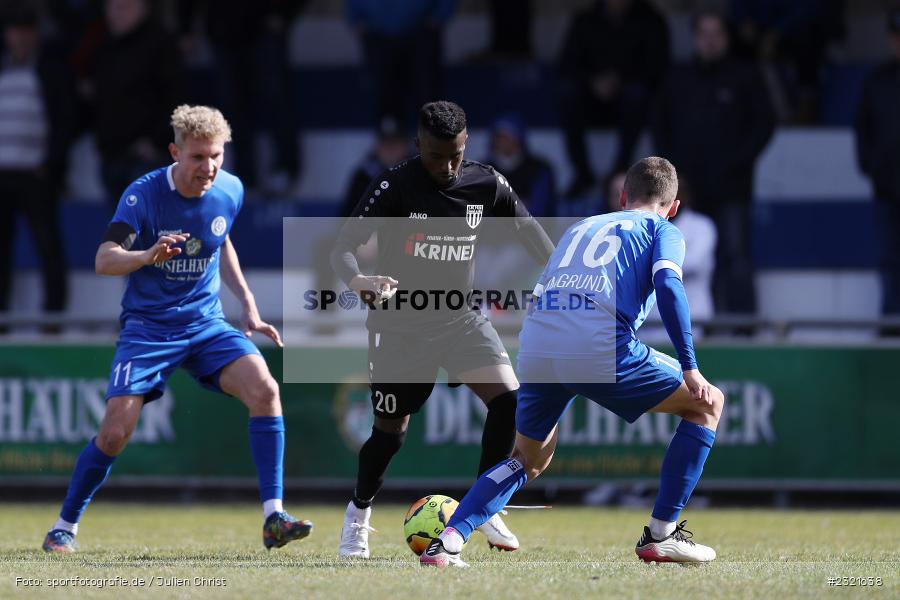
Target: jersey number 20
<point>604,235</point>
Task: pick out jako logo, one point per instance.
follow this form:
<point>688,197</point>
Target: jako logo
<point>415,215</point>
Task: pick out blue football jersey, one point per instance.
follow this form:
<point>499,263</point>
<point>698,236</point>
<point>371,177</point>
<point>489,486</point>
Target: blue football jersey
<point>597,288</point>
<point>185,289</point>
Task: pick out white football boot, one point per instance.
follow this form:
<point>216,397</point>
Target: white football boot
<point>355,534</point>
<point>436,555</point>
<point>498,534</point>
<point>676,547</point>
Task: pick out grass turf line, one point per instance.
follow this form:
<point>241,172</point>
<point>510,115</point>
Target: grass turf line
<point>567,553</point>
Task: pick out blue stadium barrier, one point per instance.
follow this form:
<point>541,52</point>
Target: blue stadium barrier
<point>840,93</point>
<point>811,235</point>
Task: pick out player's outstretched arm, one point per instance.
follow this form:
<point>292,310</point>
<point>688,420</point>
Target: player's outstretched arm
<point>231,273</point>
<point>113,259</point>
<point>535,239</point>
<point>516,216</point>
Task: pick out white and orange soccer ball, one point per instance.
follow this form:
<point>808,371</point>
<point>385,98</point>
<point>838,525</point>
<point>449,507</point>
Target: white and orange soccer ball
<point>426,519</point>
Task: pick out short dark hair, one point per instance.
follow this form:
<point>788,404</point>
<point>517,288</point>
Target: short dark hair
<point>442,119</point>
<point>652,178</point>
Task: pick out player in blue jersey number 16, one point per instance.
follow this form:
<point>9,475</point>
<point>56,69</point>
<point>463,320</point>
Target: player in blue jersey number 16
<point>596,353</point>
<point>170,236</point>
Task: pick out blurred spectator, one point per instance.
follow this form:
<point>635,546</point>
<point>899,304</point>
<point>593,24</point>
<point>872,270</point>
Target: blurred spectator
<point>135,80</point>
<point>614,56</point>
<point>67,22</point>
<point>402,43</point>
<point>878,154</point>
<point>530,176</point>
<point>794,35</point>
<point>615,183</point>
<point>700,238</point>
<point>391,148</point>
<point>36,121</point>
<point>510,29</point>
<point>256,86</point>
<point>713,121</point>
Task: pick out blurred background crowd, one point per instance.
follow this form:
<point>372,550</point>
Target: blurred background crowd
<point>782,117</point>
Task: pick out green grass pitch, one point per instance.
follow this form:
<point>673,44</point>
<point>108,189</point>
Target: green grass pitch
<point>570,553</point>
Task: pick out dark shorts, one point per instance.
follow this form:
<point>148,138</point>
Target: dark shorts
<point>404,366</point>
<point>145,358</point>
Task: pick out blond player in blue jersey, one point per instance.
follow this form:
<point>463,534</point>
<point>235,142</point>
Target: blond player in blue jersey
<point>170,236</point>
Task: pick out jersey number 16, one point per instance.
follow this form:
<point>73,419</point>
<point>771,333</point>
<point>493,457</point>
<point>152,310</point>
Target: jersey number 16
<point>604,235</point>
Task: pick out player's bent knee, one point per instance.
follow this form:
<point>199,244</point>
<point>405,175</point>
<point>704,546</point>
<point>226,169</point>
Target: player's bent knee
<point>395,426</point>
<point>533,472</point>
<point>111,440</point>
<point>712,413</point>
<point>263,398</point>
<point>533,468</point>
<point>270,393</point>
<point>718,398</point>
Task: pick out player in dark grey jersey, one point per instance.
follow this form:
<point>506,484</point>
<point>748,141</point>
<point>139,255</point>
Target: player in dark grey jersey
<point>428,213</point>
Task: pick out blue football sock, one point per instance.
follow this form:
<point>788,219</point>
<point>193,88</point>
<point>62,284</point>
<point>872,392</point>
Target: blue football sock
<point>91,470</point>
<point>488,496</point>
<point>681,469</point>
<point>267,447</point>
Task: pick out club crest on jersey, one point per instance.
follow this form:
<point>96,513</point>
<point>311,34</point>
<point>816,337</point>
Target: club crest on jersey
<point>218,225</point>
<point>192,246</point>
<point>474,213</point>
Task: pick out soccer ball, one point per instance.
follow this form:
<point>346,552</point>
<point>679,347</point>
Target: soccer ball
<point>426,519</point>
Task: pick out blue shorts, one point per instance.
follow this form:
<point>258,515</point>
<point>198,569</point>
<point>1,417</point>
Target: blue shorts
<point>541,403</point>
<point>145,358</point>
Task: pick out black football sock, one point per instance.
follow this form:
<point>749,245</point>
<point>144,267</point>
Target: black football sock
<point>374,458</point>
<point>499,433</point>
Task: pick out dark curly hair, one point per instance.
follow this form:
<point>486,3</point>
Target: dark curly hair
<point>442,119</point>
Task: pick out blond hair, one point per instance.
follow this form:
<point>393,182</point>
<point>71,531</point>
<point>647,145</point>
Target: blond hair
<point>651,179</point>
<point>200,122</point>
